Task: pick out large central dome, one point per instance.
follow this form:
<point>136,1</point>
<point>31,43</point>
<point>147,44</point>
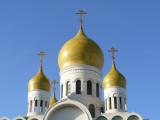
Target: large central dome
<point>80,50</point>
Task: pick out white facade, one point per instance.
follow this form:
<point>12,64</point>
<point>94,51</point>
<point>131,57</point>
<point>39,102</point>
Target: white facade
<point>83,73</point>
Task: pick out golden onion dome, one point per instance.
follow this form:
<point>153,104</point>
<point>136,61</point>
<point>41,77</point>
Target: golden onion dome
<point>114,78</point>
<point>39,82</point>
<point>53,100</point>
<point>80,50</point>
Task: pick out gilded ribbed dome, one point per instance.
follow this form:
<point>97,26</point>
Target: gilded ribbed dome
<point>39,82</point>
<point>80,50</point>
<point>53,100</point>
<point>114,78</point>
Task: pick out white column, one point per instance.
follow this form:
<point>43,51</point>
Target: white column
<point>29,106</point>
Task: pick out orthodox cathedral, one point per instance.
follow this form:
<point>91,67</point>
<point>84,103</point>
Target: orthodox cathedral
<point>80,61</point>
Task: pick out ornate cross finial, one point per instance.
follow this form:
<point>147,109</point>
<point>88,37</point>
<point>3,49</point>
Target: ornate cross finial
<point>41,55</point>
<point>113,51</point>
<point>54,82</point>
<point>81,13</point>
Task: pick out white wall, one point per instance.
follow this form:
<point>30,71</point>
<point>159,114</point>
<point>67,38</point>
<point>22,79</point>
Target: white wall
<point>83,73</point>
<point>37,95</point>
<point>115,92</point>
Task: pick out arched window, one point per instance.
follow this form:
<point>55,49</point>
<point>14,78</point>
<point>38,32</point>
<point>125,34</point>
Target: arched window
<point>110,103</point>
<point>41,103</point>
<point>68,88</point>
<point>97,89</point>
<point>62,91</point>
<point>120,102</point>
<point>78,87</point>
<point>92,110</point>
<point>36,102</point>
<point>89,87</point>
<point>102,110</point>
<point>46,104</point>
<point>115,102</point>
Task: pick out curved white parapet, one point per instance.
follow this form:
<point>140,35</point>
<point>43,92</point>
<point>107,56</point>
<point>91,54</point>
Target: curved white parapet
<point>68,110</point>
<point>4,118</point>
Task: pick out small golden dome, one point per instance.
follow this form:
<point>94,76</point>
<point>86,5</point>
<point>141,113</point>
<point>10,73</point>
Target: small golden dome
<point>53,100</point>
<point>80,50</point>
<point>39,82</point>
<point>114,78</point>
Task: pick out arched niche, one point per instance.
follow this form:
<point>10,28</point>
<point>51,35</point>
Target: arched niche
<point>133,117</point>
<point>20,118</point>
<point>117,118</point>
<point>101,118</point>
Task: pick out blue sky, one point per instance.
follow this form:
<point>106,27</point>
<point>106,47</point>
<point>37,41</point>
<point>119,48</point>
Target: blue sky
<point>28,26</point>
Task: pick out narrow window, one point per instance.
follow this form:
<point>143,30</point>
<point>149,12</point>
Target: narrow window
<point>67,88</point>
<point>41,103</point>
<point>110,103</point>
<point>115,102</point>
<point>62,91</point>
<point>102,110</point>
<point>97,90</point>
<point>120,102</point>
<point>31,106</point>
<point>92,110</point>
<point>89,87</point>
<point>36,102</point>
<point>78,87</point>
<point>46,104</point>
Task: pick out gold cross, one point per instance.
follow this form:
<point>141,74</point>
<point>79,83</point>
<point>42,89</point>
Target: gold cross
<point>81,13</point>
<point>41,55</point>
<point>54,82</point>
<point>113,51</point>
